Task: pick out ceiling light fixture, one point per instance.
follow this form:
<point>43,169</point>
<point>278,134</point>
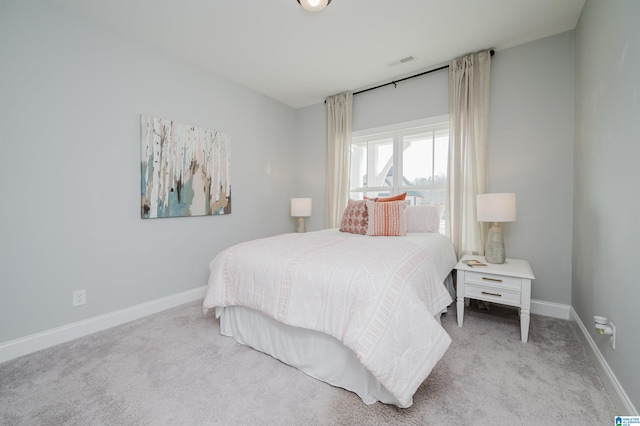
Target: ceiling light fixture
<point>314,5</point>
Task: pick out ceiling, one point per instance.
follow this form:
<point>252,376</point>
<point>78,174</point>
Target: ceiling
<point>299,58</point>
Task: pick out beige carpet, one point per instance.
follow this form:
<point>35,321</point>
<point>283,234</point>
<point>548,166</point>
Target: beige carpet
<point>174,368</point>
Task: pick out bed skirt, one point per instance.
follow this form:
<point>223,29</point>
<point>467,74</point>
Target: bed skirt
<point>316,354</point>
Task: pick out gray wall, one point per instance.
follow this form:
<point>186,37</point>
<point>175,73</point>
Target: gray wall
<point>311,154</point>
<point>71,95</point>
<point>420,97</point>
<point>607,187</point>
<point>530,147</point>
<point>531,154</point>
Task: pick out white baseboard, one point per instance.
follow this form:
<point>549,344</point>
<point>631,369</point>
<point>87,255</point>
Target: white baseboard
<point>35,342</point>
<point>550,309</point>
<point>617,393</point>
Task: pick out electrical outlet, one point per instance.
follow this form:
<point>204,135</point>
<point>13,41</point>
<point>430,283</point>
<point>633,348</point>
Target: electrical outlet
<point>612,341</point>
<point>79,297</point>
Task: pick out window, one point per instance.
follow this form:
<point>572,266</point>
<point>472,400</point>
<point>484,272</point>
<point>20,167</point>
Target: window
<point>409,157</point>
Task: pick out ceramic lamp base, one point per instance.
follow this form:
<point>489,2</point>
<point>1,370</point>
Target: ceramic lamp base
<point>494,249</point>
<point>301,225</point>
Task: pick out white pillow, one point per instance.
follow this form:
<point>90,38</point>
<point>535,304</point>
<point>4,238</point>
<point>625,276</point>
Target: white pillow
<point>423,218</point>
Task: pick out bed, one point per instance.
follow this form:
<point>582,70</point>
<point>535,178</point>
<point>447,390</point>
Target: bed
<point>354,311</point>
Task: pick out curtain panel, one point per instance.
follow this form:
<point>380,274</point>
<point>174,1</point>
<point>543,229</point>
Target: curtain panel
<point>339,110</point>
<point>469,84</point>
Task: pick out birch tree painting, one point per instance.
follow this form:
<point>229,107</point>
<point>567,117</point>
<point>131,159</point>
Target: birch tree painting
<point>185,170</point>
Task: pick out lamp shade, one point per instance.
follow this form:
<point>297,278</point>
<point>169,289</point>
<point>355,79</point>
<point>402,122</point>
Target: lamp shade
<point>498,207</point>
<point>314,5</point>
<point>301,207</point>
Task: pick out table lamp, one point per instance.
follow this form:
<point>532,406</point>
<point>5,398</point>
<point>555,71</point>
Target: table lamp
<point>496,208</point>
<point>301,208</point>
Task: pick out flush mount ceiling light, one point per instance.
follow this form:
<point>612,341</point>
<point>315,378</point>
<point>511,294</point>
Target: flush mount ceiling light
<point>314,5</point>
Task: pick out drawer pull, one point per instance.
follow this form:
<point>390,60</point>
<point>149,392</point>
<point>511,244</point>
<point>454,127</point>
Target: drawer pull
<point>492,279</point>
<point>491,294</point>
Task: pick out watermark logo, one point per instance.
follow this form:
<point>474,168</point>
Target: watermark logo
<point>627,420</point>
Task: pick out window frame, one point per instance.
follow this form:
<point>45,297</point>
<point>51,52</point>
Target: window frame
<point>397,132</point>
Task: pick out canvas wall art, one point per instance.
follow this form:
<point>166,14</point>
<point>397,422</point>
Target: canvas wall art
<point>185,170</point>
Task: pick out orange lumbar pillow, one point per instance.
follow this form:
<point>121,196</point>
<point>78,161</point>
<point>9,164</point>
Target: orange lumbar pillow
<point>399,197</point>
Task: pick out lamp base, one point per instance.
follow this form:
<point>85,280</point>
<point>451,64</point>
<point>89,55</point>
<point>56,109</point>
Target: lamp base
<point>301,225</point>
<point>494,249</point>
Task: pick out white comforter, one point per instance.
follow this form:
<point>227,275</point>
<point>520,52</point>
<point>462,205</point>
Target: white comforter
<point>378,295</point>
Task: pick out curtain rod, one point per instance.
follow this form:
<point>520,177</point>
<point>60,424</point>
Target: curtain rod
<point>492,52</point>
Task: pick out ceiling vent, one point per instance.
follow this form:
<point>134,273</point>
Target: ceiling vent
<point>403,60</point>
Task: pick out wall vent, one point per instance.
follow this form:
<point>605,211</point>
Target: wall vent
<point>403,60</point>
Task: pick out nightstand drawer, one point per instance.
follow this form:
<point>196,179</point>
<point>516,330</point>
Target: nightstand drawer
<point>492,294</point>
<point>500,281</point>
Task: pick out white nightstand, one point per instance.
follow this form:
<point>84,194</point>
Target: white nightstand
<point>508,283</point>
